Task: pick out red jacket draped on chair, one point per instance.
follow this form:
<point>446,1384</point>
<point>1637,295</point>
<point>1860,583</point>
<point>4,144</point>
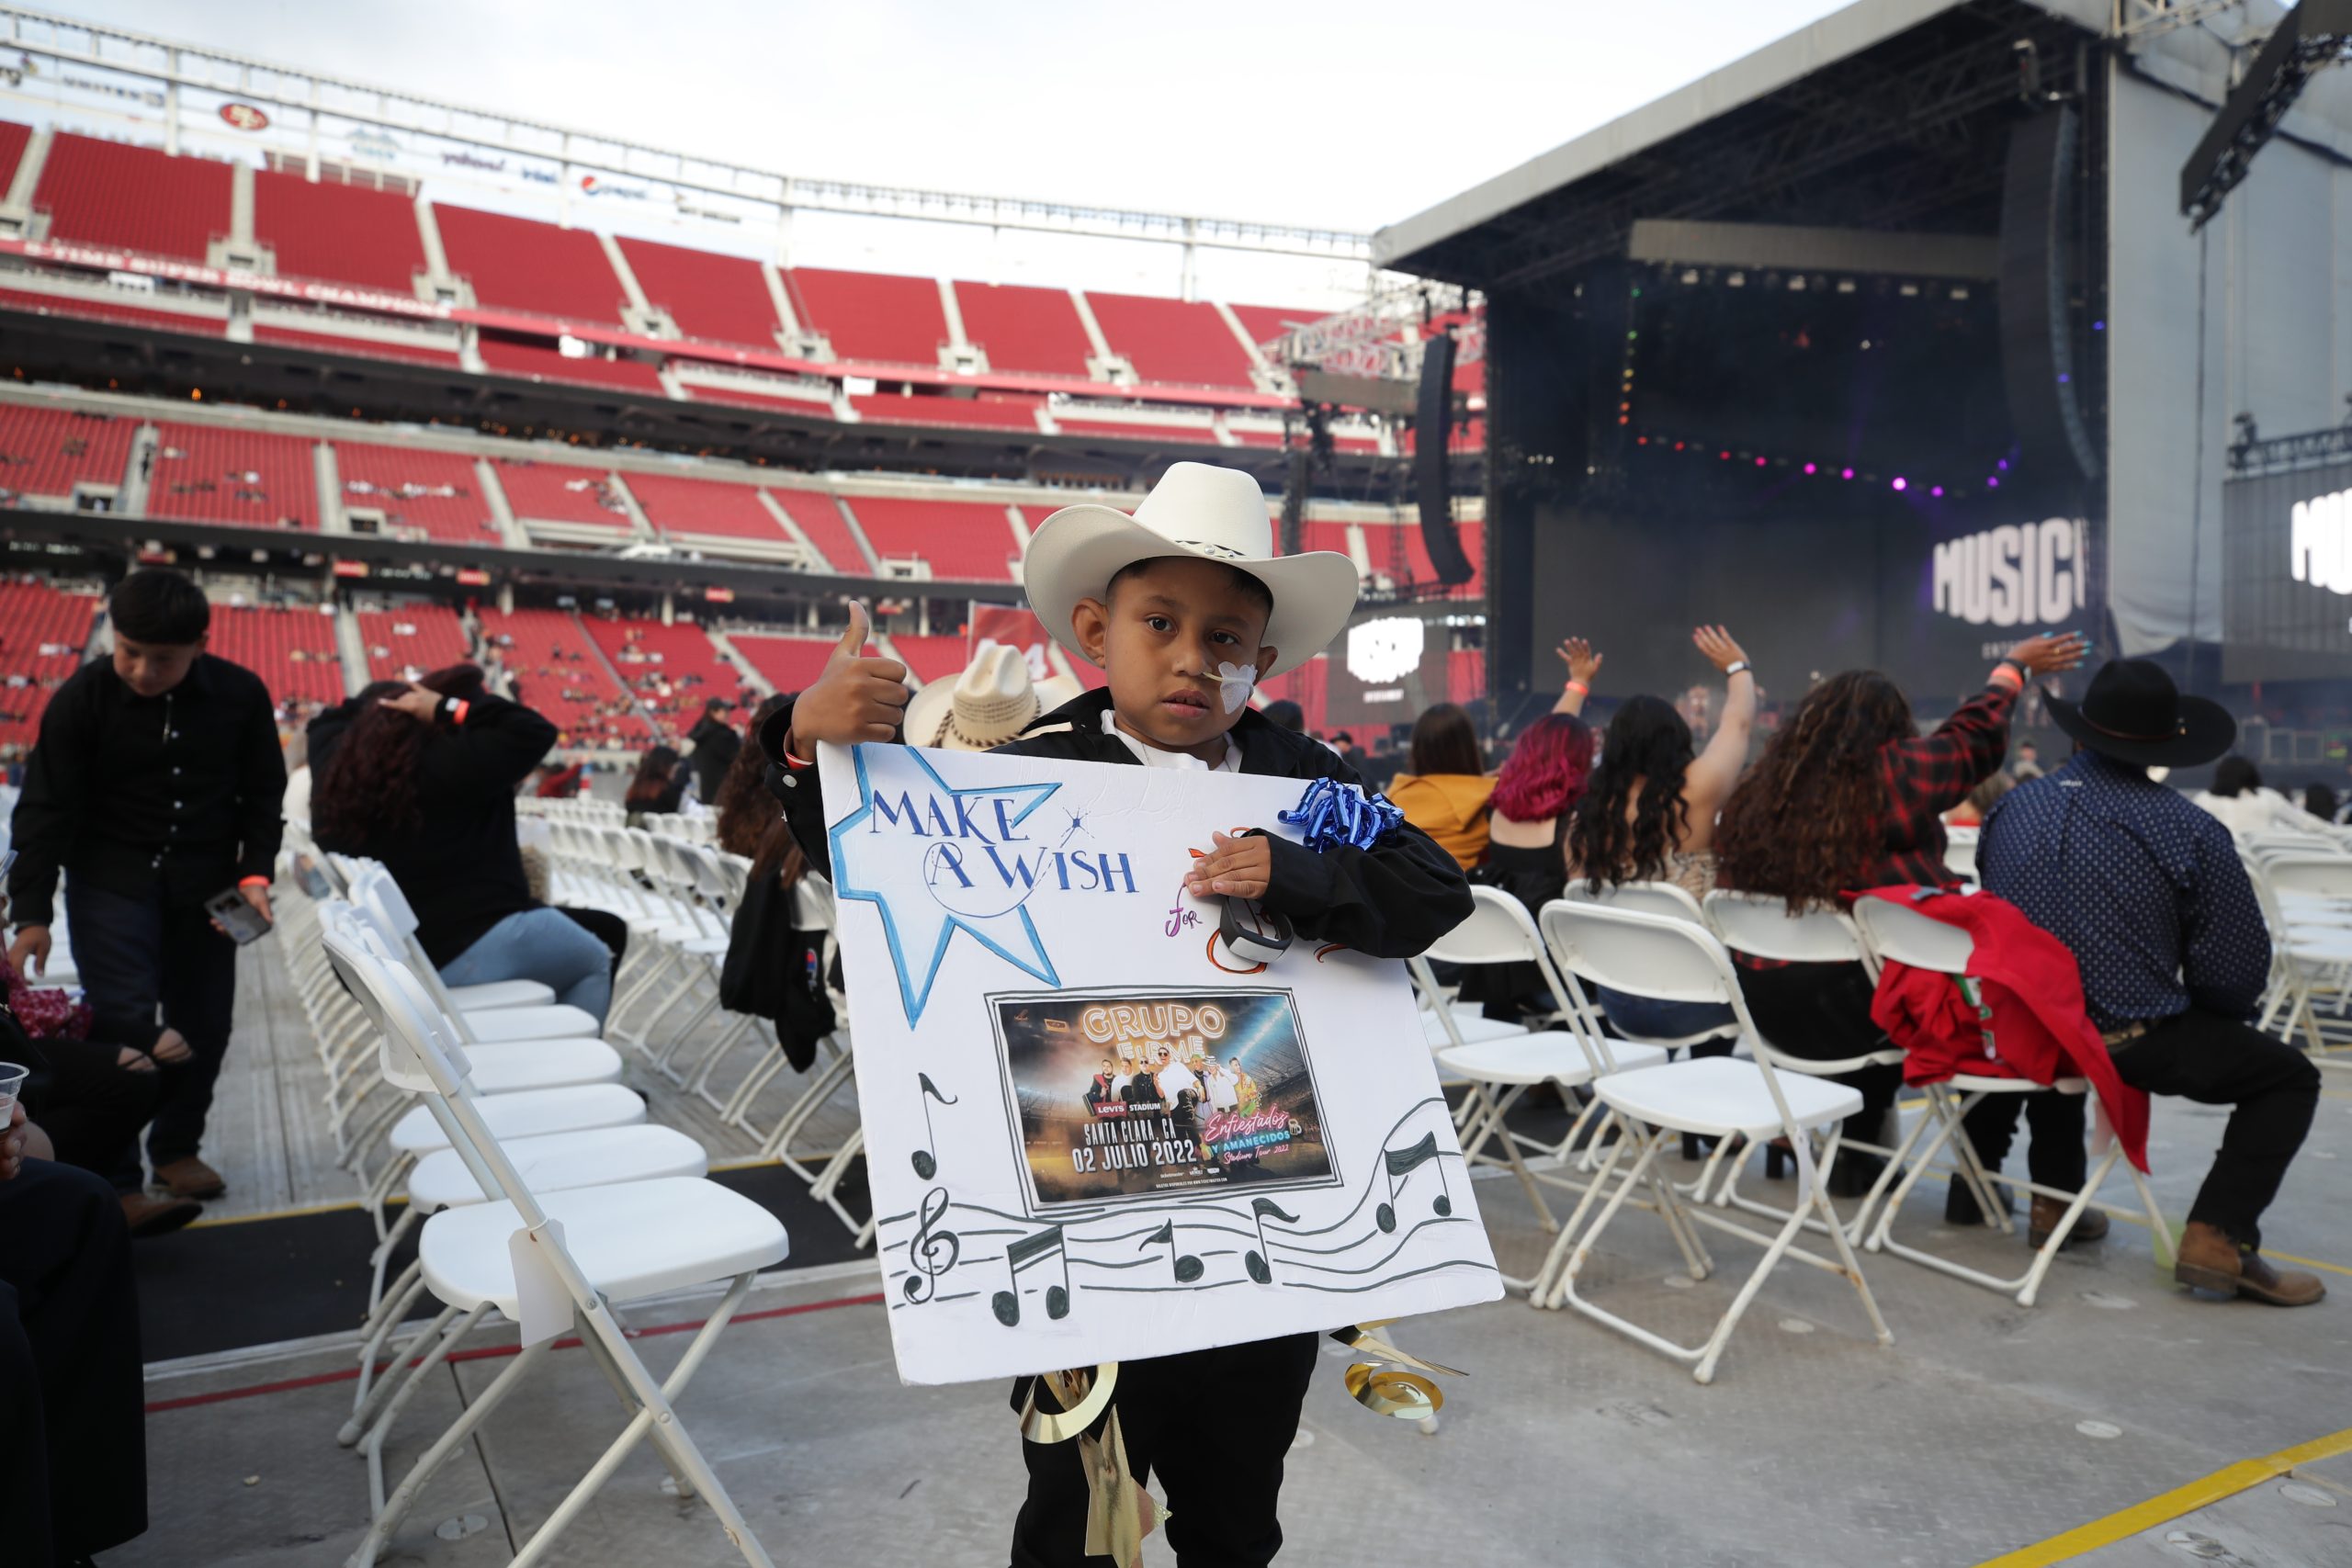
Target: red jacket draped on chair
<point>2034,992</point>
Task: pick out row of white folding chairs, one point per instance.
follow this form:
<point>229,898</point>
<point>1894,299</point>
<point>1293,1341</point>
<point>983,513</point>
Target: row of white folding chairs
<point>680,898</point>
<point>552,1230</point>
<point>573,808</point>
<point>2306,897</point>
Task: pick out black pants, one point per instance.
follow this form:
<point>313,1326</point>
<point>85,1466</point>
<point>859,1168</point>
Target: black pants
<point>73,1437</point>
<point>1182,1416</point>
<point>1822,1013</point>
<point>92,1107</point>
<point>147,964</point>
<point>2272,1088</point>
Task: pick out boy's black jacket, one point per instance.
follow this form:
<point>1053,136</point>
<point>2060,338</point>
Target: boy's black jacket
<point>1390,901</point>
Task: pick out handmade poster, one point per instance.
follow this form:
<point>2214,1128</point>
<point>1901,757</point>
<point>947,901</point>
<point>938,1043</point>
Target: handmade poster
<point>1093,1131</point>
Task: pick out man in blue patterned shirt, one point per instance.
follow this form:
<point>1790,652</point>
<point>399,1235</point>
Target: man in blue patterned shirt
<point>2148,892</point>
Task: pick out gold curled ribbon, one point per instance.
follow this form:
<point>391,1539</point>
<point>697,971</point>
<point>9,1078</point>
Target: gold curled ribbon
<point>1360,1337</point>
<point>1408,1397</point>
<point>1082,1405</point>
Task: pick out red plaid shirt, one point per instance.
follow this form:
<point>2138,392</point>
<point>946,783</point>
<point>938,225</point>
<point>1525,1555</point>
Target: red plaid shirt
<point>1925,776</point>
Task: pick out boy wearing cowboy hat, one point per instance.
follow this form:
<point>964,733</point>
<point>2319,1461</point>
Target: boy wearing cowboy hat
<point>1185,606</point>
<point>2146,889</point>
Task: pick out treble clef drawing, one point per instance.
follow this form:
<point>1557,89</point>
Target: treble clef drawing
<point>932,1252</point>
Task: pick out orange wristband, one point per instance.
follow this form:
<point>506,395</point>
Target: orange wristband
<point>252,882</point>
<point>2005,676</point>
<point>1579,688</point>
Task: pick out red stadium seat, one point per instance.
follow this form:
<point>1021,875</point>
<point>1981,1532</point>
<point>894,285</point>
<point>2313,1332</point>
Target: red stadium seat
<point>557,673</point>
<point>964,541</point>
<point>107,311</point>
<point>209,474</point>
<point>1023,329</point>
<point>103,193</point>
<point>673,669</point>
<point>342,233</point>
<point>820,519</point>
<point>34,617</point>
<point>293,651</point>
<point>872,316</point>
<point>929,658</point>
<point>507,357</point>
<point>1011,410</point>
<point>412,641</point>
<point>13,138</point>
<point>47,452</point>
<point>558,492</point>
<point>1266,322</point>
<point>1180,343</point>
<point>437,495</point>
<point>715,298</point>
<point>516,263</point>
<point>675,505</point>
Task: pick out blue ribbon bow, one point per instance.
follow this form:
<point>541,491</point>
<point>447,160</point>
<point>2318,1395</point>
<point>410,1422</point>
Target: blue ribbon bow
<point>1334,813</point>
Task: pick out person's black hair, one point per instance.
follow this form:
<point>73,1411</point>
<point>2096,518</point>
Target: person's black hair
<point>2236,775</point>
<point>1254,589</point>
<point>717,705</point>
<point>2319,801</point>
<point>1286,715</point>
<point>1444,742</point>
<point>159,606</point>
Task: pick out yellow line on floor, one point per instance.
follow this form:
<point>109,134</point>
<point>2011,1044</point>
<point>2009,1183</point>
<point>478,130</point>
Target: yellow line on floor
<point>278,1214</point>
<point>2141,1220</point>
<point>2202,1492</point>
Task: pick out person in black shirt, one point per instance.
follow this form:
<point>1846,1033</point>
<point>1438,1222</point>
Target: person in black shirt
<point>657,787</point>
<point>423,778</point>
<point>715,747</point>
<point>154,786</point>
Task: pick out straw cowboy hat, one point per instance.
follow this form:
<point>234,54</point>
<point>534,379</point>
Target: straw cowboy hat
<point>989,703</point>
<point>2134,714</point>
<point>1197,509</point>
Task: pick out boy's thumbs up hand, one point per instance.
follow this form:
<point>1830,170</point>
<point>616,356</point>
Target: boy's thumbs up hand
<point>857,698</point>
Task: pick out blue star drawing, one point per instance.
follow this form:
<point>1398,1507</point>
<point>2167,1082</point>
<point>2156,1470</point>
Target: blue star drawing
<point>917,919</point>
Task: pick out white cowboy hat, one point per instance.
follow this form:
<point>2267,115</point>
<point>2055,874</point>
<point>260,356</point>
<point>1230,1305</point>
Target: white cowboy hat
<point>988,704</point>
<point>1197,509</point>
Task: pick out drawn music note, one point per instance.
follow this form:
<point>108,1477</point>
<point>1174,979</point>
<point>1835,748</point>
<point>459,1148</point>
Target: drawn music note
<point>926,1166</point>
<point>1255,1258</point>
<point>1187,1268</point>
<point>924,1251</point>
<point>1402,1163</point>
<point>1020,1255</point>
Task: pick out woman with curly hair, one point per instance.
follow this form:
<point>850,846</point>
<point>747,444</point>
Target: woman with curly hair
<point>1850,795</point>
<point>422,777</point>
<point>749,822</point>
<point>1650,816</point>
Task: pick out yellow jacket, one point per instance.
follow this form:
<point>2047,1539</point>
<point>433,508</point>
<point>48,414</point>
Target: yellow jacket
<point>1449,808</point>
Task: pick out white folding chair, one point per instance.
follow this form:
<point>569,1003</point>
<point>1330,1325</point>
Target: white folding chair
<point>1671,960</point>
<point>2306,897</point>
<point>1897,934</point>
<point>595,1246</point>
<point>378,895</point>
<point>1760,926</point>
<point>1503,1066</point>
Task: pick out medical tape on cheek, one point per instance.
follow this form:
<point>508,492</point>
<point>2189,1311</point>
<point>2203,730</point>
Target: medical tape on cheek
<point>1234,685</point>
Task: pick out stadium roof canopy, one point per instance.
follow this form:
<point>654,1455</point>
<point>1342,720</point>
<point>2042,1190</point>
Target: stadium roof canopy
<point>1856,121</point>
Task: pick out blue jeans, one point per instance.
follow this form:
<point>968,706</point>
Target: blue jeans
<point>1652,1020</point>
<point>540,944</point>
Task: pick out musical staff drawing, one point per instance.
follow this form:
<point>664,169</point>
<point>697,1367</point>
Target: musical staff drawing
<point>1261,1210</point>
<point>1399,1166</point>
<point>1022,1254</point>
<point>1186,1268</point>
<point>926,1164</point>
<point>926,1250</point>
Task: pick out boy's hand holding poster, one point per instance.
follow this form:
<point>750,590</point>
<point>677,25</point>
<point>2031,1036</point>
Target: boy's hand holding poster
<point>1094,1132</point>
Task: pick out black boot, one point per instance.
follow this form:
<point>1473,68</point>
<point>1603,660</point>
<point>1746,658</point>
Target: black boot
<point>1855,1175</point>
<point>1960,1207</point>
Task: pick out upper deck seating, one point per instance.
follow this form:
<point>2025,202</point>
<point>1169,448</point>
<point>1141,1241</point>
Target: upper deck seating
<point>505,357</point>
<point>1175,340</point>
<point>338,233</point>
<point>292,650</point>
<point>47,452</point>
<point>103,193</point>
<point>1011,410</point>
<point>217,474</point>
<point>558,492</point>
<point>437,495</point>
<point>516,264</point>
<point>872,316</point>
<point>720,298</point>
<point>1021,328</point>
<point>820,519</point>
<point>677,504</point>
<point>964,541</point>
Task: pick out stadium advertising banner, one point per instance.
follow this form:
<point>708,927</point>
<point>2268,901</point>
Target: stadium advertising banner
<point>2287,575</point>
<point>1095,1130</point>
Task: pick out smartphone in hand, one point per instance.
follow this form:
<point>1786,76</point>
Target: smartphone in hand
<point>236,916</point>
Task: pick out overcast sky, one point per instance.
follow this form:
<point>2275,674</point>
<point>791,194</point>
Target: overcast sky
<point>1346,115</point>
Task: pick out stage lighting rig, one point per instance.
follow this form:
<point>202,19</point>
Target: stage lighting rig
<point>2312,35</point>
